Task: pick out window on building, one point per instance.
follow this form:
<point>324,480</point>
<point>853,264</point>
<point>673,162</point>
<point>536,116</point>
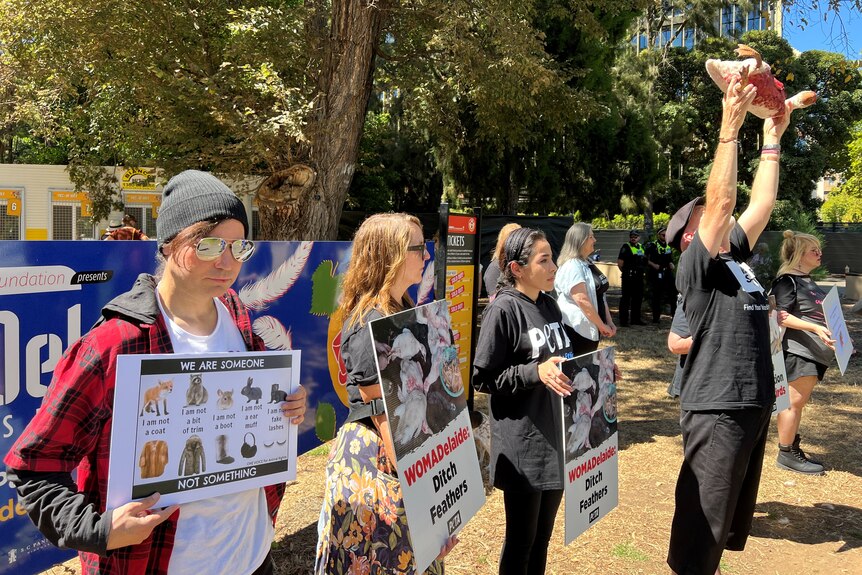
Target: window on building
<point>67,223</point>
<point>62,222</point>
<point>10,214</point>
<point>10,226</point>
<point>144,216</point>
<point>689,38</point>
<point>727,21</point>
<point>739,17</point>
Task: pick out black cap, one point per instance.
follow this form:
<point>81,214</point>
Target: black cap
<point>634,233</point>
<point>679,221</point>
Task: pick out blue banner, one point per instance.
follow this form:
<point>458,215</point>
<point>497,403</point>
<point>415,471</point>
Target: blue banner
<point>51,293</point>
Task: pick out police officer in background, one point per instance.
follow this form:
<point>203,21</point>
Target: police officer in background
<point>660,270</point>
<point>632,263</point>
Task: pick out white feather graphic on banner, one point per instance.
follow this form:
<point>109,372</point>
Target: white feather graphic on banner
<point>426,285</point>
<point>260,294</point>
<point>273,333</point>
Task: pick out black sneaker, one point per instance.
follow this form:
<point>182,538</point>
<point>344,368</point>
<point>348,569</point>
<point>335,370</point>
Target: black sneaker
<point>793,460</point>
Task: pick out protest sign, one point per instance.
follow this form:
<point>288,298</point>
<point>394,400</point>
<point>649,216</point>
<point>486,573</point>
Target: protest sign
<point>590,438</point>
<point>192,426</point>
<point>779,371</point>
<point>838,327</point>
<point>425,400</point>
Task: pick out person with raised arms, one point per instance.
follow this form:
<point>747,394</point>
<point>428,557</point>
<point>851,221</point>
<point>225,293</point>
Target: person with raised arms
<point>725,412</point>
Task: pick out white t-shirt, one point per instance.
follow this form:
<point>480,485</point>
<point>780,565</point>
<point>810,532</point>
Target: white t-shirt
<point>570,274</point>
<point>229,534</point>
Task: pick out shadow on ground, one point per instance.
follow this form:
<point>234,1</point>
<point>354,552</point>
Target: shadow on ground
<point>809,525</point>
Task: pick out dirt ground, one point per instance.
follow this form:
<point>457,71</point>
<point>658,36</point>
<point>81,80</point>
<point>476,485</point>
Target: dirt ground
<point>803,525</point>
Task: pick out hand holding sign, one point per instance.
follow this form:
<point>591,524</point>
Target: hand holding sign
<point>133,522</point>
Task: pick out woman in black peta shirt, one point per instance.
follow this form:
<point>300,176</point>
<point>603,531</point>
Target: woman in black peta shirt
<point>520,345</point>
<point>808,344</point>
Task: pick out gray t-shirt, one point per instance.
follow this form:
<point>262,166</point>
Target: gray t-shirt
<point>729,365</point>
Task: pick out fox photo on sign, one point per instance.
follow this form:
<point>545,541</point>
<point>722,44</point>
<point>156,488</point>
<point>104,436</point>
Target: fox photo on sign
<point>198,426</point>
<point>426,405</point>
<point>590,437</point>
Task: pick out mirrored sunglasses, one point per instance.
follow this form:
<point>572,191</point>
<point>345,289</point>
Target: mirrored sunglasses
<point>209,249</point>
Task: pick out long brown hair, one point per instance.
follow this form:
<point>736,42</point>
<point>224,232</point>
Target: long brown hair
<point>379,254</point>
<point>501,239</point>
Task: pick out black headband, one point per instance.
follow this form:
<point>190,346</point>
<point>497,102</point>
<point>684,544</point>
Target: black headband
<point>515,244</point>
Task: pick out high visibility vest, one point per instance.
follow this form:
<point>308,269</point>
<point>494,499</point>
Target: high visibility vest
<point>637,249</point>
<point>663,249</point>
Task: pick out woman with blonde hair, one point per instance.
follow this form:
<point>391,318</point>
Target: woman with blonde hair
<point>362,522</point>
<point>491,277</point>
<point>581,291</point>
<point>808,344</point>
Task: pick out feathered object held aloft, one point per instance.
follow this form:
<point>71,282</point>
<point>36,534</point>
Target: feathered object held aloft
<point>260,294</point>
<point>770,99</point>
<point>273,333</point>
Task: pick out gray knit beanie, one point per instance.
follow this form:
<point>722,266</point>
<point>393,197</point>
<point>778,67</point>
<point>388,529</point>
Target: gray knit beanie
<point>193,196</point>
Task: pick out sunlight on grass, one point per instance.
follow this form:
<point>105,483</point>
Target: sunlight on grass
<point>629,551</point>
<point>320,450</point>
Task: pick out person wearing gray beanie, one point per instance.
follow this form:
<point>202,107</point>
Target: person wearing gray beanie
<point>193,196</point>
<point>186,307</point>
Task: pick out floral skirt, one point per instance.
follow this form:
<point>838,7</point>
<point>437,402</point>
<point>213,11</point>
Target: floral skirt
<point>363,528</point>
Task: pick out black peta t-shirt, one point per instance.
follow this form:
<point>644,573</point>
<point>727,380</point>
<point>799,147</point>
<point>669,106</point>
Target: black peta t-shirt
<point>801,297</point>
<point>518,334</point>
<point>729,365</point>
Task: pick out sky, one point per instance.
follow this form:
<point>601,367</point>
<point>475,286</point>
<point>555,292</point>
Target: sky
<point>839,32</point>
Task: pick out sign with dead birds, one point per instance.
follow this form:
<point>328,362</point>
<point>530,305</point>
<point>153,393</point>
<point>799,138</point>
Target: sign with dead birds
<point>590,436</point>
<point>425,399</point>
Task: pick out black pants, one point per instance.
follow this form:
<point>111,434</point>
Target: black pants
<point>631,297</point>
<point>663,291</point>
<point>266,568</point>
<point>529,524</point>
<point>717,486</point>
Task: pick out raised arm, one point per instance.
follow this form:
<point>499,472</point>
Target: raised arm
<point>764,190</point>
<point>716,223</point>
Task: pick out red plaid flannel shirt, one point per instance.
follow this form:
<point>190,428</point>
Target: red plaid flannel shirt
<point>72,429</point>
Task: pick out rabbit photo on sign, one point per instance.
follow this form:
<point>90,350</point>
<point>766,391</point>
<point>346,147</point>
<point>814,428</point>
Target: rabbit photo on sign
<point>196,394</point>
<point>157,393</point>
<point>251,393</point>
<point>154,458</point>
<point>192,460</point>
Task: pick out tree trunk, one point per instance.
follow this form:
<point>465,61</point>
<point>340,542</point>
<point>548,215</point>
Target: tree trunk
<point>292,206</point>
